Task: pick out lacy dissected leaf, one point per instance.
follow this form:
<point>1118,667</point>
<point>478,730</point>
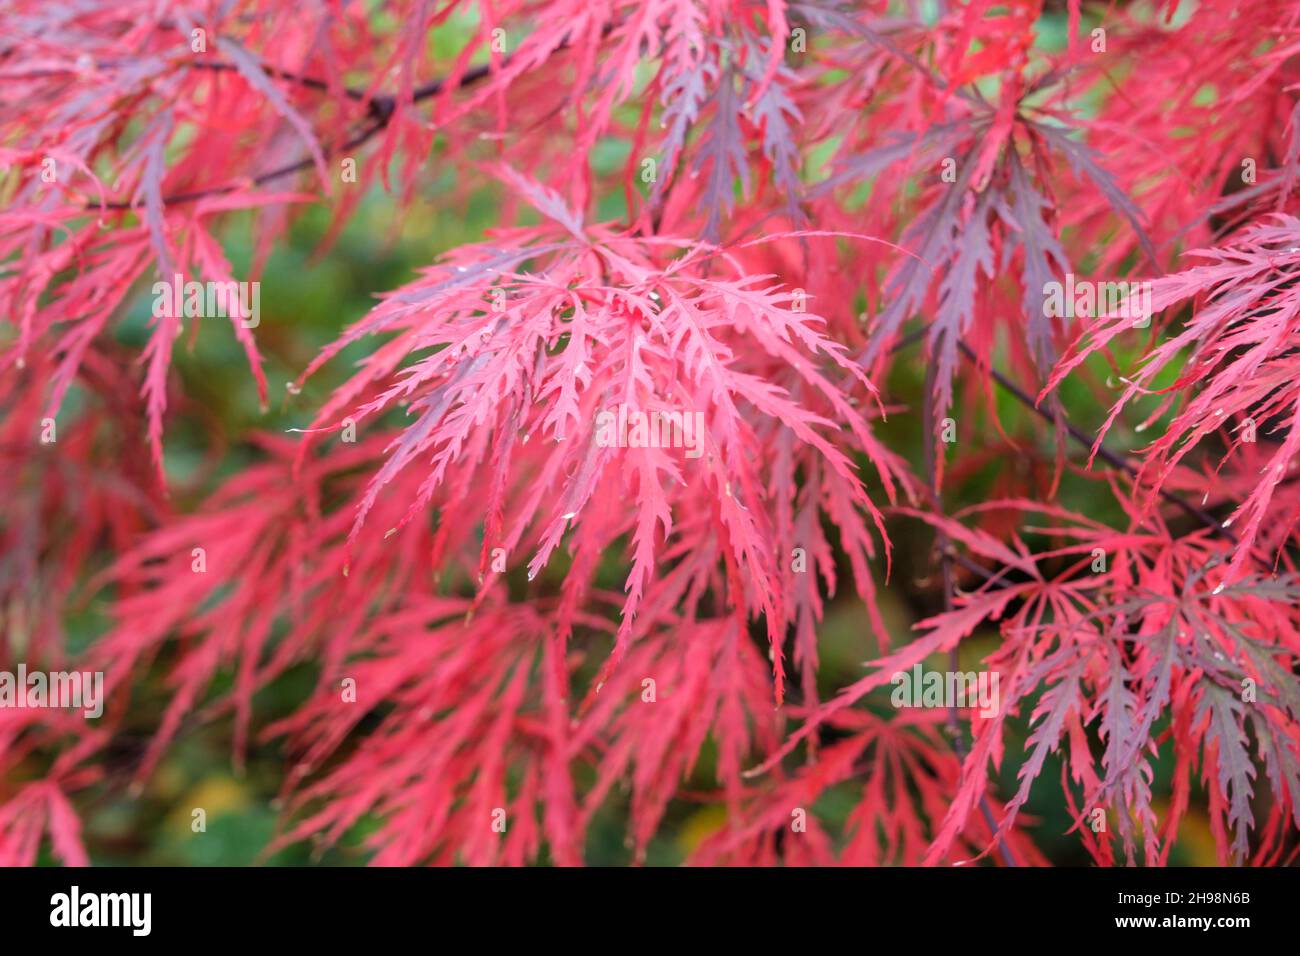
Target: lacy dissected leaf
<point>557,358</point>
<point>1238,373</point>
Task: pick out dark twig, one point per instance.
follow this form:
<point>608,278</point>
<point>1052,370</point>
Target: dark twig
<point>946,554</point>
<point>382,109</point>
<point>310,82</point>
<point>1110,457</point>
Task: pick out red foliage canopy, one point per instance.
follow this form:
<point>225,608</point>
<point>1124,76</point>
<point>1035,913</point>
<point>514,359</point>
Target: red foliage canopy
<point>815,196</point>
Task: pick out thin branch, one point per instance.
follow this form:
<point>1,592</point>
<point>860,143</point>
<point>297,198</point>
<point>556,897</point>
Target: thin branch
<point>946,552</point>
<point>310,82</point>
<point>1110,457</point>
<point>382,109</point>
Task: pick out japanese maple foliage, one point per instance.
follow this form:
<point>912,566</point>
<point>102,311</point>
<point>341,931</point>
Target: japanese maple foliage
<point>829,238</point>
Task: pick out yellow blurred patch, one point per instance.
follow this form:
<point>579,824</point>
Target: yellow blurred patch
<point>701,825</point>
<point>1195,839</point>
<point>216,796</point>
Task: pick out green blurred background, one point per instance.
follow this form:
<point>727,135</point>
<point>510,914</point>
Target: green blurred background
<point>307,300</point>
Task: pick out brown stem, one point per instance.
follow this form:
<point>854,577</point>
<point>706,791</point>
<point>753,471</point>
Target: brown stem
<point>944,546</point>
<point>310,82</point>
<point>1110,457</point>
<point>382,109</point>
